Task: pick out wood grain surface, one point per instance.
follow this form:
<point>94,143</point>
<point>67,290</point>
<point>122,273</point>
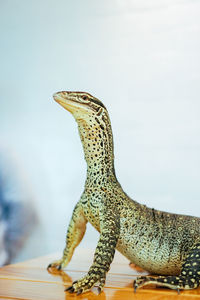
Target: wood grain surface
<point>31,280</point>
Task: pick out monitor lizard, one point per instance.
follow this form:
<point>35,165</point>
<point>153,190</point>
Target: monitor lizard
<point>162,243</point>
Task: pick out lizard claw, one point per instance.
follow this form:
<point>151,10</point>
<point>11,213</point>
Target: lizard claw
<point>135,286</point>
<point>79,292</point>
<point>58,264</point>
<point>69,288</point>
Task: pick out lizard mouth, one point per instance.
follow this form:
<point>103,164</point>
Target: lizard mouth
<point>63,102</point>
<point>69,102</point>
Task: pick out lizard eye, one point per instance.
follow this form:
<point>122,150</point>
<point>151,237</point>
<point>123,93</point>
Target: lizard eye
<point>85,98</point>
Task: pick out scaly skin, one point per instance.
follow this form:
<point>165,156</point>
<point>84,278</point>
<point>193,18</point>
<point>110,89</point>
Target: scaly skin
<point>159,242</point>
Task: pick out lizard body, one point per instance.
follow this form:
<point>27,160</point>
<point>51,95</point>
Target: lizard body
<point>162,243</point>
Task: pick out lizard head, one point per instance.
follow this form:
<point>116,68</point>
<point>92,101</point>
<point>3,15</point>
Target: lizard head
<point>93,124</point>
<point>80,104</point>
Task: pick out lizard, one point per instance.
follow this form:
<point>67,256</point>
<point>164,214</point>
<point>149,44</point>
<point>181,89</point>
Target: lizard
<point>164,244</point>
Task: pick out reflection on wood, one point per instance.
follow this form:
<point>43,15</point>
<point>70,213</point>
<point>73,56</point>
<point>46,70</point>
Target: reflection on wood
<point>31,280</point>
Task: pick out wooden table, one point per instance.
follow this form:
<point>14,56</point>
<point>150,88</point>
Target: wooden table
<point>31,280</point>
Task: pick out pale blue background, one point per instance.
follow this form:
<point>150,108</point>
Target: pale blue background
<point>142,59</point>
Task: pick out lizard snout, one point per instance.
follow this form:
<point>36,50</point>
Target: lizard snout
<point>60,95</point>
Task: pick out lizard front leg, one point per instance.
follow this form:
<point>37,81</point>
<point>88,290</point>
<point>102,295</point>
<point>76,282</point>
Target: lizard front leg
<point>75,233</point>
<point>104,254</point>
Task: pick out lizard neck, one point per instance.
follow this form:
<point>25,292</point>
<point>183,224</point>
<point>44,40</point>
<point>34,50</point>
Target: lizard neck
<point>97,140</point>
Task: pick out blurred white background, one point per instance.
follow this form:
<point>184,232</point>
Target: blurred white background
<point>141,58</point>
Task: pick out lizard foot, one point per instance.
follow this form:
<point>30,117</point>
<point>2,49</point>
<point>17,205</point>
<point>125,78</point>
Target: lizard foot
<point>173,282</point>
<point>87,282</point>
<point>58,264</point>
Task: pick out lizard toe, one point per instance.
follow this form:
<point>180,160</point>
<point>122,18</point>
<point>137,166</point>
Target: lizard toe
<point>86,283</point>
<point>58,265</point>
